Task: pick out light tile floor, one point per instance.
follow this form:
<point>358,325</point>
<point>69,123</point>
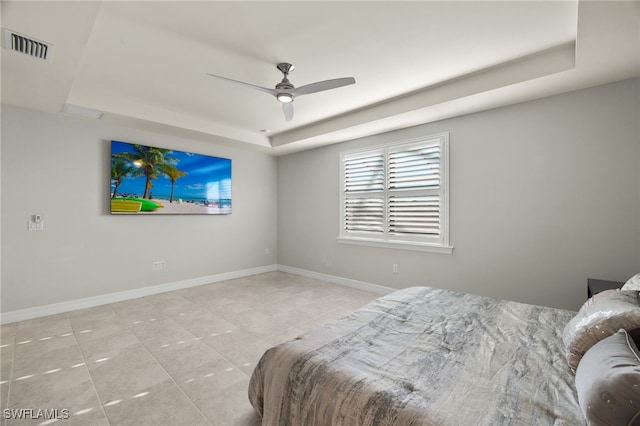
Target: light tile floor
<point>178,358</point>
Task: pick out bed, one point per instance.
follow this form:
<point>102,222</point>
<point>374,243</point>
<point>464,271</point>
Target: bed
<point>425,356</point>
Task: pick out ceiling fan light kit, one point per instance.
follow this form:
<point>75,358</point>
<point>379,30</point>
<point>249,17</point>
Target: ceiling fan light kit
<point>285,92</point>
<point>285,98</point>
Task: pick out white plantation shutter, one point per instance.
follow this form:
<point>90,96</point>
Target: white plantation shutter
<point>415,167</point>
<point>413,182</point>
<point>397,193</point>
<point>414,215</point>
<point>364,172</point>
<point>364,182</point>
<point>364,214</point>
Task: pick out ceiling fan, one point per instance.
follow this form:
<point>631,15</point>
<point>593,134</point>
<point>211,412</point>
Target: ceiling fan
<point>285,92</point>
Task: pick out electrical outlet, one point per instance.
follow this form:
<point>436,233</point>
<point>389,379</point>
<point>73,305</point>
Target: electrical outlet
<point>163,265</point>
<point>155,265</point>
<point>395,268</point>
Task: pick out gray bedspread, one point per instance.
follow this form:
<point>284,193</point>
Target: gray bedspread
<point>423,356</point>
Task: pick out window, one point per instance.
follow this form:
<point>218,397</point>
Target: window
<point>397,195</point>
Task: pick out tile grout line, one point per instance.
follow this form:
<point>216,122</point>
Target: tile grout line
<point>162,367</point>
<point>205,342</point>
<point>208,309</point>
<point>86,366</point>
<point>240,327</point>
<point>13,357</point>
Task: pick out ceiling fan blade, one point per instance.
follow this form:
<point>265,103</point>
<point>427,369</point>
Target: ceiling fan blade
<point>288,111</point>
<point>323,85</point>
<point>264,89</point>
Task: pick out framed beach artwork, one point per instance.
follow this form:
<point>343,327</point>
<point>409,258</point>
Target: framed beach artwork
<point>157,181</point>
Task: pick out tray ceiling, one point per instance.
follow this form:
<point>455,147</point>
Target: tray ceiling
<point>146,63</point>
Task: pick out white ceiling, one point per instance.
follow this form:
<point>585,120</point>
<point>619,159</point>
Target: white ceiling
<point>145,63</point>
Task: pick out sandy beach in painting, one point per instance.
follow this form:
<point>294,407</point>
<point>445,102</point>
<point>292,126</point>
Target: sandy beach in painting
<point>183,207</point>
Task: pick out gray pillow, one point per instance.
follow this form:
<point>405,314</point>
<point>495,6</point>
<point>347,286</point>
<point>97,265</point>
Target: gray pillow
<point>608,382</point>
<point>601,318</point>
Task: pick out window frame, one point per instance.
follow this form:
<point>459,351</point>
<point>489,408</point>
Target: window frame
<point>406,242</point>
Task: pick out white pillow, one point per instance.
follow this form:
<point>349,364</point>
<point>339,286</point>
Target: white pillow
<point>632,283</point>
<point>601,318</point>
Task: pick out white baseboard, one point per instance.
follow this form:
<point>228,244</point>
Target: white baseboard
<point>89,302</point>
<point>360,285</point>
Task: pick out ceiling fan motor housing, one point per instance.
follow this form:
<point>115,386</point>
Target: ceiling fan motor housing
<point>284,85</point>
<point>285,96</point>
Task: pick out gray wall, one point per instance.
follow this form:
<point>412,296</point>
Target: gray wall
<point>543,195</point>
<point>59,166</point>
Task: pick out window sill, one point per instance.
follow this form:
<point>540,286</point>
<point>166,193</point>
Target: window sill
<point>399,245</point>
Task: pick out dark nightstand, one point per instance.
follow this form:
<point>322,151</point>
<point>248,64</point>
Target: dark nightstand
<point>595,286</point>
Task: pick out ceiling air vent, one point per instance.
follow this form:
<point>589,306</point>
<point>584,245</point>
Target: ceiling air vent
<point>27,45</point>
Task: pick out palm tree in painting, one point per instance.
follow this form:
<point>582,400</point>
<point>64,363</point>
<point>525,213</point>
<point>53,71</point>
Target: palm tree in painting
<point>173,173</point>
<point>120,169</point>
<point>148,161</point>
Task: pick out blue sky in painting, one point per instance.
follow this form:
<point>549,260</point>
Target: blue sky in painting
<point>207,178</point>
